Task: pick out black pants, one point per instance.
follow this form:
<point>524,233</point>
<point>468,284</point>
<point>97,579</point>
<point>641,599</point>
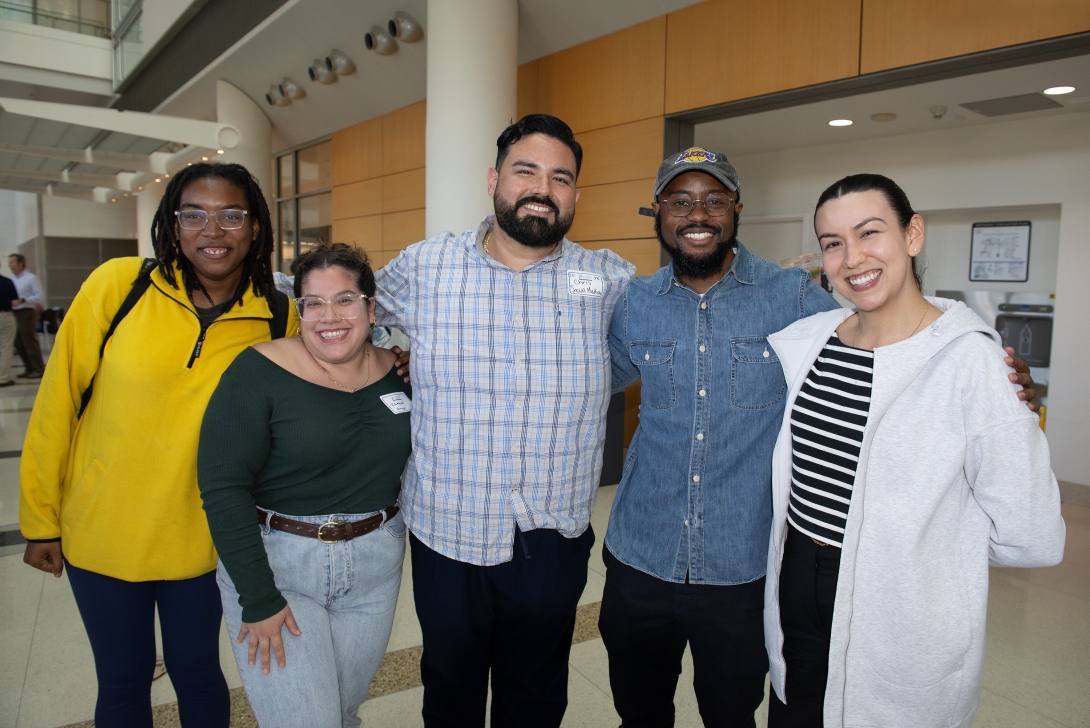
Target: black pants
<point>807,591</point>
<point>645,624</point>
<point>26,341</point>
<point>514,619</point>
<point>120,621</point>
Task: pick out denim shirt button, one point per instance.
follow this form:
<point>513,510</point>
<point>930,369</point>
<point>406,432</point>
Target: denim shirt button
<point>702,349</point>
<point>686,521</point>
<point>700,436</point>
<point>703,304</point>
<point>696,478</point>
<point>702,393</point>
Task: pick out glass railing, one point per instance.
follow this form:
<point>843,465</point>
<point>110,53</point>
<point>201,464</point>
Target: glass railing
<point>89,17</point>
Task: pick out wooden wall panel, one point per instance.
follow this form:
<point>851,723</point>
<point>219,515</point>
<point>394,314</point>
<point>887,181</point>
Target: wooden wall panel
<point>401,229</point>
<point>403,133</point>
<point>365,232</point>
<point>357,199</point>
<point>905,32</point>
<point>607,81</point>
<point>724,50</point>
<point>644,254</point>
<point>527,90</point>
<point>621,153</point>
<point>609,212</point>
<point>403,191</point>
<point>357,152</point>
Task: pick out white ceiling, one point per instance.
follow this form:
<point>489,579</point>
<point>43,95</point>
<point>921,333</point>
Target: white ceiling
<point>302,30</point>
<point>808,125</point>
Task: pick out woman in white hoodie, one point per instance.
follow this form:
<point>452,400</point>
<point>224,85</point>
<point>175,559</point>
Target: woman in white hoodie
<point>905,465</point>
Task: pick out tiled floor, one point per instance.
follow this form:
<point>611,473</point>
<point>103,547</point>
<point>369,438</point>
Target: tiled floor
<point>1037,672</point>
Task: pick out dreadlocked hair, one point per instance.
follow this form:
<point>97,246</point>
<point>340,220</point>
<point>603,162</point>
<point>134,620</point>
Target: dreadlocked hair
<point>257,266</point>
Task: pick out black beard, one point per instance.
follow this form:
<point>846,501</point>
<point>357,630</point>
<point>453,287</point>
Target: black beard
<point>698,267</point>
<point>532,231</point>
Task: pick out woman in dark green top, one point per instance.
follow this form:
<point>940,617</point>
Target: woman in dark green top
<point>299,466</point>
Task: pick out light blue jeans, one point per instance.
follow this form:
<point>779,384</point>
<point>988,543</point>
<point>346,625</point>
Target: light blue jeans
<point>343,597</point>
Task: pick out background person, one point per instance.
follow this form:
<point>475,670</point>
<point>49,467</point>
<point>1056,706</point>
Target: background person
<point>113,494</point>
<point>300,462</point>
<point>8,329</point>
<point>26,316</point>
<point>907,452</point>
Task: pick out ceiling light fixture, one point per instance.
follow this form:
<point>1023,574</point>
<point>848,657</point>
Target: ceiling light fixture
<point>840,122</point>
<point>321,73</point>
<point>379,41</point>
<point>339,63</point>
<point>405,28</point>
<point>276,96</point>
<point>291,89</point>
<point>1059,90</point>
<point>219,151</point>
<point>204,159</point>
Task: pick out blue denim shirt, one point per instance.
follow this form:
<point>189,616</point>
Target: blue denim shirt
<point>696,494</point>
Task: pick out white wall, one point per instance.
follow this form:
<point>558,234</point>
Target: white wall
<point>1041,161</point>
<point>66,217</point>
<point>156,18</point>
<point>18,223</point>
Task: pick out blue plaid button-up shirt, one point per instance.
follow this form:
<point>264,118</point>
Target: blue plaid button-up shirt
<point>511,382</point>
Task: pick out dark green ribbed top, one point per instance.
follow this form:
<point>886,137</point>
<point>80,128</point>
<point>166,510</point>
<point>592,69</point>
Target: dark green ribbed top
<point>274,440</point>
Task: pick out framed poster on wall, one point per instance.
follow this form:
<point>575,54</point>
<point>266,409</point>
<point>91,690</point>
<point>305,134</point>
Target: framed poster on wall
<point>1000,251</point>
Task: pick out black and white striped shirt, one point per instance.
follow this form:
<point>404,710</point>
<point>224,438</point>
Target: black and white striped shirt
<point>827,422</point>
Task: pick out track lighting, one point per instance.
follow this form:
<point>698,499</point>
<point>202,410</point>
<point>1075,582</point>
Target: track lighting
<point>379,41</point>
<point>321,73</point>
<point>339,63</point>
<point>276,96</point>
<point>405,28</point>
<point>292,90</point>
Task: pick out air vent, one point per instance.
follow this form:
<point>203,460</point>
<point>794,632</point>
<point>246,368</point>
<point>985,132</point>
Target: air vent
<point>1012,105</point>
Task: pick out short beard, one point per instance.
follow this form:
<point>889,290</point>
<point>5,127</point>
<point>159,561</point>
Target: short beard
<point>532,231</point>
<point>698,267</point>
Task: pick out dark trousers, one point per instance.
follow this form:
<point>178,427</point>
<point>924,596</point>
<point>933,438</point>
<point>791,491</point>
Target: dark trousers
<point>807,591</point>
<point>514,619</point>
<point>645,624</point>
<point>26,341</point>
<point>120,620</point>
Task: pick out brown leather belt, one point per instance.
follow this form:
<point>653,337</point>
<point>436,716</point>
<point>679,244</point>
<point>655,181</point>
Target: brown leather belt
<point>330,531</point>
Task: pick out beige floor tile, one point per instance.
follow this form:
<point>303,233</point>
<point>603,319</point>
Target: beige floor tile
<point>20,592</point>
<point>406,630</point>
<point>589,660</point>
<point>13,422</point>
<point>588,705</point>
<point>9,491</point>
<point>1038,651</point>
<point>396,710</point>
<point>599,520</point>
<point>1072,576</point>
<point>997,712</point>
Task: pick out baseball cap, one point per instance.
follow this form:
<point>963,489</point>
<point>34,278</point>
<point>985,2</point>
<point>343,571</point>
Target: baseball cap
<point>697,159</point>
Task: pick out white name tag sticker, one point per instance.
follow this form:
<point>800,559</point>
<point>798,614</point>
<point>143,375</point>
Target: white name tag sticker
<point>397,403</point>
<point>585,284</point>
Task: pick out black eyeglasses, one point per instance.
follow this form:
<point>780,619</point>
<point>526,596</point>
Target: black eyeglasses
<point>229,219</point>
<point>682,205</point>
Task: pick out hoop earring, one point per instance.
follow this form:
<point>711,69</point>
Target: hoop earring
<point>372,325</point>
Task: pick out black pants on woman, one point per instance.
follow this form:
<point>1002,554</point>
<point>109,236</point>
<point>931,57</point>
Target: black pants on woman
<point>807,591</point>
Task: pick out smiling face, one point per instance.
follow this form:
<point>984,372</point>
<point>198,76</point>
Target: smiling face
<point>216,254</point>
<point>534,191</point>
<point>866,253</point>
<point>332,339</point>
<point>698,243</point>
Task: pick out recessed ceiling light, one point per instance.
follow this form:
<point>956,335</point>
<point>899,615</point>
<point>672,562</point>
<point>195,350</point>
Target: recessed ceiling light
<point>1059,90</point>
<point>840,122</point>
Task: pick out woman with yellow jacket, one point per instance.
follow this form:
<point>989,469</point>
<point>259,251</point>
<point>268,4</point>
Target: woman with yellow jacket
<point>109,481</point>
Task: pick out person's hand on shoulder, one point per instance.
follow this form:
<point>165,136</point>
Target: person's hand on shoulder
<point>402,363</point>
<point>1022,377</point>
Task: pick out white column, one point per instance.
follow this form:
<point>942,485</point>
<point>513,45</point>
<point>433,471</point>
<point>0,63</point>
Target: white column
<point>147,202</point>
<point>254,151</point>
<point>472,97</point>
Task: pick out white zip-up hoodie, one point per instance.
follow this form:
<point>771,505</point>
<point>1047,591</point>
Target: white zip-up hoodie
<point>953,474</point>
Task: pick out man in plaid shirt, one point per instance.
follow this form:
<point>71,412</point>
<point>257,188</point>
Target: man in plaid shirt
<point>509,326</point>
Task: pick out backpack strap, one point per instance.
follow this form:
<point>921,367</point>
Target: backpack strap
<point>278,324</point>
<point>139,286</point>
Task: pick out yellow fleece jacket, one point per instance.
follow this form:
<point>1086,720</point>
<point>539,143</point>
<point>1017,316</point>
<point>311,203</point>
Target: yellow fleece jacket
<point>119,486</point>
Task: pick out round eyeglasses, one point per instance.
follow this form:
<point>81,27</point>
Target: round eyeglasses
<point>682,205</point>
<point>229,219</point>
<point>347,306</point>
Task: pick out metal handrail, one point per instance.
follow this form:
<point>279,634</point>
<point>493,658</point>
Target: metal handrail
<point>32,15</point>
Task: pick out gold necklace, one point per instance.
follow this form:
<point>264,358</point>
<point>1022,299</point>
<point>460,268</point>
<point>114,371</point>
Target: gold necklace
<point>487,237</point>
<point>367,365</point>
<point>855,334</point>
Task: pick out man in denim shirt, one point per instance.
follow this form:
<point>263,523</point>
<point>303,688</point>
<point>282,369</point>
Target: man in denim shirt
<point>687,542</point>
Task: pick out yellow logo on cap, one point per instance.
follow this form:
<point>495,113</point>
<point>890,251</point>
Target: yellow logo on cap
<point>695,154</point>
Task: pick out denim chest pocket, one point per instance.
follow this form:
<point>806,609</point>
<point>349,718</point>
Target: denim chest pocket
<point>756,378</point>
<point>656,362</point>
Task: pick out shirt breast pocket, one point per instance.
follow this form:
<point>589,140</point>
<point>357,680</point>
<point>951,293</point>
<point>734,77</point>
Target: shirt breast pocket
<point>656,362</point>
<point>756,379</point>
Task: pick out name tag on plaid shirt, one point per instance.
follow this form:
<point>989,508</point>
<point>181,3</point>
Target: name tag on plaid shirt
<point>585,284</point>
